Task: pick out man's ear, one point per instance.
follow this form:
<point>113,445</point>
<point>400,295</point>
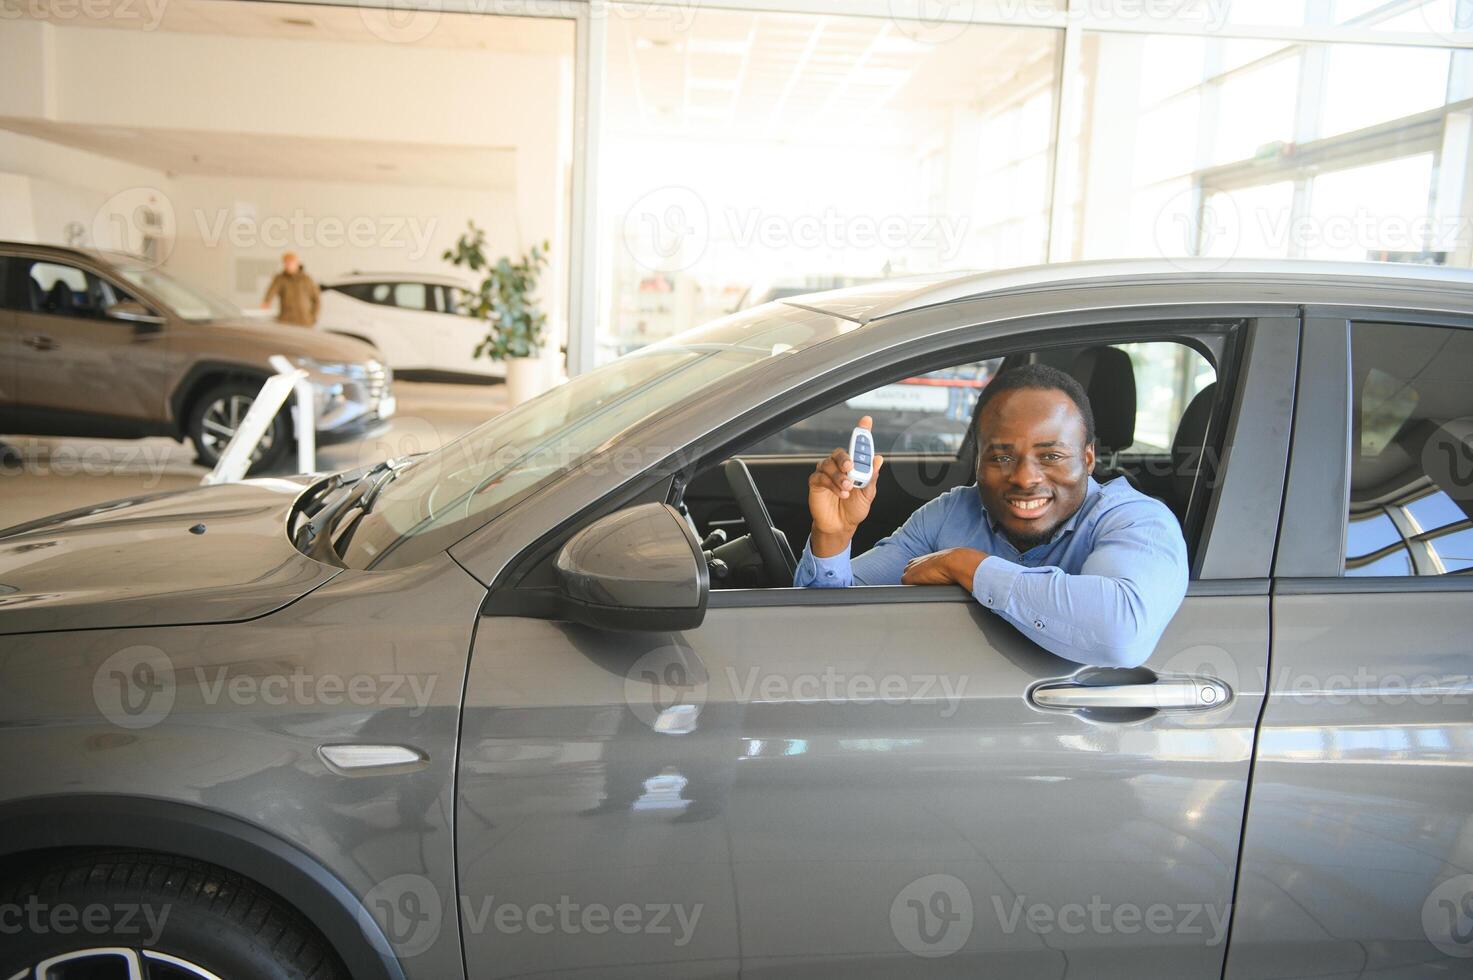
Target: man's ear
<point>1089,457</point>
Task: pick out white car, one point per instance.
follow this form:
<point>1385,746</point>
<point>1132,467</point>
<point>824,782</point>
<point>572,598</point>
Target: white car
<point>411,318</point>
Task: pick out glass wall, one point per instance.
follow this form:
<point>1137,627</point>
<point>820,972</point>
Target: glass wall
<point>1232,147</point>
<point>748,156</point>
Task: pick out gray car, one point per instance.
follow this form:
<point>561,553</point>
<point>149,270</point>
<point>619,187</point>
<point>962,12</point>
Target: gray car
<point>542,703</point>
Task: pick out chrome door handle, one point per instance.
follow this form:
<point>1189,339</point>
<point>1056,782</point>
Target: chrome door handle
<point>1193,692</point>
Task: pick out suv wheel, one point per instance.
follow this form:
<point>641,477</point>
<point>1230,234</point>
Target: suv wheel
<point>216,414</point>
<point>133,914</point>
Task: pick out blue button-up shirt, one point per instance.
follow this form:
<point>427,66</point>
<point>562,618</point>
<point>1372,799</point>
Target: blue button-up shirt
<point>1100,591</point>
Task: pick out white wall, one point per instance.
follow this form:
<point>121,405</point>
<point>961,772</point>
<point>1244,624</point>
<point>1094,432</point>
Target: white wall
<point>191,83</point>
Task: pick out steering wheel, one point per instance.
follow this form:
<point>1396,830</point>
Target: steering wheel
<point>777,556</point>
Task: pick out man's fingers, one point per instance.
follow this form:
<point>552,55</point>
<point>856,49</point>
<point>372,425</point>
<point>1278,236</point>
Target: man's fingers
<point>865,422</point>
<point>821,480</point>
<point>873,485</point>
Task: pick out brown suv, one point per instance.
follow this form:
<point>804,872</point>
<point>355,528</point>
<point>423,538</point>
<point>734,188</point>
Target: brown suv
<point>103,344</point>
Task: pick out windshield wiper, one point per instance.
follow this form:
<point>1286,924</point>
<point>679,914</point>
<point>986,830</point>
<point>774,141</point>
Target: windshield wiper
<point>314,538</point>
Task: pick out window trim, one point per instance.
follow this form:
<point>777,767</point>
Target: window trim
<point>1241,359</point>
<point>1312,537</point>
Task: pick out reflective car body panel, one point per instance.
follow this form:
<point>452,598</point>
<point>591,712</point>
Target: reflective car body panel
<point>119,564</point>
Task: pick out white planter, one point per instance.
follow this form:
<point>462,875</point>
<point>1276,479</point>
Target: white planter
<point>523,379</point>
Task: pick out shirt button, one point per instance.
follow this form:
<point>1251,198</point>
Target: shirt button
<point>989,600</point>
<point>1038,624</point>
<point>829,574</point>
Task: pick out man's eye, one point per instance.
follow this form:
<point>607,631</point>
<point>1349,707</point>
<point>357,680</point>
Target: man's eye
<point>1053,457</point>
<point>1001,459</point>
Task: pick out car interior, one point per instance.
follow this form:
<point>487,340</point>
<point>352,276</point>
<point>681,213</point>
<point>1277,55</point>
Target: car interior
<point>750,511</point>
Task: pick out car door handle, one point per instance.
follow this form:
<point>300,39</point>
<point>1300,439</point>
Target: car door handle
<point>1191,692</point>
<point>39,342</point>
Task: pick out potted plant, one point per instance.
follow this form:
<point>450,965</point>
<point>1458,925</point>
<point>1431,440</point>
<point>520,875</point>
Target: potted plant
<point>506,301</point>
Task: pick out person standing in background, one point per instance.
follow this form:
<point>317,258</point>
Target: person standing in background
<point>299,295</point>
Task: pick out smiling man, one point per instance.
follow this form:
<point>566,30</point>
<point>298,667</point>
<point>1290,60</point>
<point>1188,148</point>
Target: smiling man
<point>1092,572</point>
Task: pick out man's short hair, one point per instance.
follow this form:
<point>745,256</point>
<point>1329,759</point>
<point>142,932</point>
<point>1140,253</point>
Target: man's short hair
<point>1040,377</point>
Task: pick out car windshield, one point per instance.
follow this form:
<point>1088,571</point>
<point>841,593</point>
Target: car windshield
<point>443,496</point>
<point>187,302</point>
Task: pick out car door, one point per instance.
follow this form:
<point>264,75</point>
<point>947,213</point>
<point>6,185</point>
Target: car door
<point>68,345</point>
<point>1358,851</point>
<point>863,782</point>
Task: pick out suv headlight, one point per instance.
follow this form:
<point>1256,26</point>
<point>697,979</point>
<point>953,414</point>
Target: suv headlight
<point>338,369</point>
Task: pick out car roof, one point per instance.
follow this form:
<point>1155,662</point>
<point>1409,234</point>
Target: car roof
<point>429,278</point>
<point>863,304</point>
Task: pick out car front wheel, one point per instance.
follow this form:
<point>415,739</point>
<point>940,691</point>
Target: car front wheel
<point>217,414</point>
<point>130,915</point>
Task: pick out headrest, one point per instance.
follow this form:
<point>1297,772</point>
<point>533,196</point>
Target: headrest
<point>1108,378</point>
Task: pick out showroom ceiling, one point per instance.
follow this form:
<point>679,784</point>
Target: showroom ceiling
<point>297,21</point>
<point>755,75</point>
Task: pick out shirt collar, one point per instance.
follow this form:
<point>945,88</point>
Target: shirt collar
<point>1064,528</point>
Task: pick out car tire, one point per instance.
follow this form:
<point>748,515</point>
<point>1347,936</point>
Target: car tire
<point>214,415</point>
<point>205,922</point>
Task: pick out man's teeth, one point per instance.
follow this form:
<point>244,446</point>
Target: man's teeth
<point>1030,504</point>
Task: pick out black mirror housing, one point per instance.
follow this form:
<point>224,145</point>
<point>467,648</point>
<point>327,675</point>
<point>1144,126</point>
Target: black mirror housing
<point>638,569</point>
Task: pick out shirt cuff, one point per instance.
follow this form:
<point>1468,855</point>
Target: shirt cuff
<point>992,583</point>
<point>833,571</point>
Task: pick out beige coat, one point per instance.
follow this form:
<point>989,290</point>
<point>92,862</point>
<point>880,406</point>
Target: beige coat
<point>300,297</point>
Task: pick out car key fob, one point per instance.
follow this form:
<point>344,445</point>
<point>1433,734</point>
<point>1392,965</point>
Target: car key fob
<point>862,455</point>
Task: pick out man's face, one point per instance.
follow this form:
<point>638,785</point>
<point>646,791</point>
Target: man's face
<point>291,264</point>
<point>1033,465</point>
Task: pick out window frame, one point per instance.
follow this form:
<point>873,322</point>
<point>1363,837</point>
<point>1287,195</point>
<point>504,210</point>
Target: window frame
<point>1312,537</point>
<point>1254,364</point>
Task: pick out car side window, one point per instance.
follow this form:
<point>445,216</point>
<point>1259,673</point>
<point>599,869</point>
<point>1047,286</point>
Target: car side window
<point>65,290</point>
<point>925,414</point>
<point>410,296</point>
<point>1411,472</point>
<point>1168,375</point>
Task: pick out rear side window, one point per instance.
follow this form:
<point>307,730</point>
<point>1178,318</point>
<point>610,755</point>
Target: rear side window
<point>1411,474</point>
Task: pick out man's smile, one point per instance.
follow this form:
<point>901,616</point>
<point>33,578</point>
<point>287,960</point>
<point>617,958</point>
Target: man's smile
<point>1029,508</point>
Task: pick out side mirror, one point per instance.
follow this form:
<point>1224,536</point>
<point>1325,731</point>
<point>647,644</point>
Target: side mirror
<point>130,311</point>
<point>638,569</point>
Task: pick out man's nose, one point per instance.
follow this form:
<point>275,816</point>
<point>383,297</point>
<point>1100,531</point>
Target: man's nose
<point>1026,472</point>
